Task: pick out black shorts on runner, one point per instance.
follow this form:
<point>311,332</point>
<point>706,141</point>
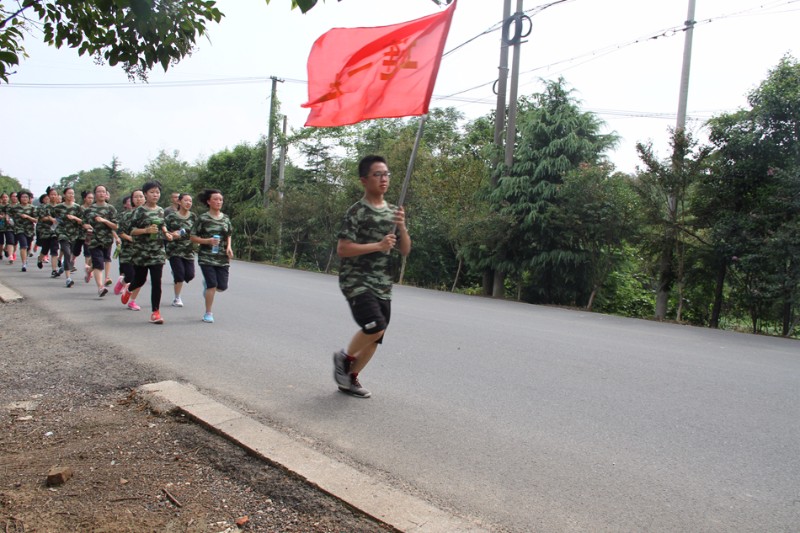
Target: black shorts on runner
<point>371,313</point>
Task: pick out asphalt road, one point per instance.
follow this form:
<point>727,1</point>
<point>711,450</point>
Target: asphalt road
<point>528,418</point>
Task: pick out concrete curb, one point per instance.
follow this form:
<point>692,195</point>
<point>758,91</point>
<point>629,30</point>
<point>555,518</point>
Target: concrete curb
<point>370,496</point>
<point>9,295</point>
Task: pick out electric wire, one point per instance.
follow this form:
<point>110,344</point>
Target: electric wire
<point>456,96</point>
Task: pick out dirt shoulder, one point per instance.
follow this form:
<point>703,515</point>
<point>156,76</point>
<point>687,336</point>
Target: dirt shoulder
<point>66,402</point>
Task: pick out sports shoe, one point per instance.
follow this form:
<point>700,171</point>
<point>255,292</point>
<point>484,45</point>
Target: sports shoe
<point>102,292</point>
<point>39,264</point>
<point>53,273</point>
<point>60,270</point>
<point>73,269</point>
<point>177,302</point>
<point>208,317</point>
<point>70,283</point>
<point>155,318</point>
<point>88,276</point>
<point>118,286</point>
<point>355,388</point>
<point>24,268</point>
<point>126,295</point>
<point>341,368</point>
<point>133,306</point>
<point>108,282</point>
<point>13,257</point>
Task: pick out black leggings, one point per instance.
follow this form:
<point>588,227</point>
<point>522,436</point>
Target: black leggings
<point>127,271</point>
<point>140,276</point>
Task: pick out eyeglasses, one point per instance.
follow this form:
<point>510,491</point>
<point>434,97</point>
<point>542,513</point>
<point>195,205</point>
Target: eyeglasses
<point>381,174</point>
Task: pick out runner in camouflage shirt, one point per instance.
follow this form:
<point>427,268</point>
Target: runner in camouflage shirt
<point>213,230</point>
<point>366,240</point>
<point>70,218</point>
<point>149,234</point>
<point>180,251</point>
<point>100,223</point>
<point>127,247</point>
<point>46,236</point>
<point>24,216</point>
<point>4,228</point>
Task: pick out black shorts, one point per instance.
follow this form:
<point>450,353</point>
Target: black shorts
<point>24,241</point>
<point>100,256</point>
<point>216,277</point>
<point>182,269</point>
<point>371,313</point>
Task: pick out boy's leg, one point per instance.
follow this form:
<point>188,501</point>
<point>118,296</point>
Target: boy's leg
<point>361,348</point>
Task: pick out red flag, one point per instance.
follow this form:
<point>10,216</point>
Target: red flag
<point>356,74</point>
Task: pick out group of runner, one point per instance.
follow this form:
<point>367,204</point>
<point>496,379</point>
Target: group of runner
<point>143,236</point>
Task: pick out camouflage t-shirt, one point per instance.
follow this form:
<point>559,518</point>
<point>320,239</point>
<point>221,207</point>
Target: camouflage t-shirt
<point>364,224</point>
<point>67,230</point>
<point>44,229</point>
<point>3,209</point>
<point>102,236</point>
<point>126,248</point>
<point>22,225</point>
<point>148,248</point>
<point>180,247</point>
<point>206,227</point>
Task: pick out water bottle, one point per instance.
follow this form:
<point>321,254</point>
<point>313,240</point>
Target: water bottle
<point>182,233</point>
<point>215,247</point>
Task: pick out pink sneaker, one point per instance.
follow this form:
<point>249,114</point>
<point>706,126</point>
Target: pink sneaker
<point>119,284</point>
<point>133,306</point>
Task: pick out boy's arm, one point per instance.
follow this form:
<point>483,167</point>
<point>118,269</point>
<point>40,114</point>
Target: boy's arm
<point>348,248</point>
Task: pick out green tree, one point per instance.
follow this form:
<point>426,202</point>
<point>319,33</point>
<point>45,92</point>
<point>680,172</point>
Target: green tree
<point>136,34</point>
<point>8,184</point>
<point>750,202</point>
<point>174,174</point>
<point>555,137</point>
<point>664,188</point>
<point>596,214</point>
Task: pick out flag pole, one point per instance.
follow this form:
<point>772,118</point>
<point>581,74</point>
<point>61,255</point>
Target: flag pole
<point>410,168</point>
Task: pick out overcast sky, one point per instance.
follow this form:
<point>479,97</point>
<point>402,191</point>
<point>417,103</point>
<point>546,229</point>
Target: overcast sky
<point>62,114</point>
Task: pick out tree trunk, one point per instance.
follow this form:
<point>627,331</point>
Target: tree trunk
<point>488,281</point>
<point>591,298</point>
<point>716,309</point>
<point>787,301</point>
<point>666,277</point>
<point>499,285</point>
<point>330,260</point>
<point>458,273</point>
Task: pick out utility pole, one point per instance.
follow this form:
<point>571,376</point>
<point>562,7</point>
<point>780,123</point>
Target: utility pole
<point>499,127</point>
<point>666,268</point>
<point>502,87</point>
<point>498,285</point>
<point>683,97</point>
<point>270,138</point>
<point>282,160</point>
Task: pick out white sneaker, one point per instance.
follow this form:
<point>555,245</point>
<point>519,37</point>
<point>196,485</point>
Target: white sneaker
<point>177,302</point>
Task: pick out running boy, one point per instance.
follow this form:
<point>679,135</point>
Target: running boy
<point>366,239</point>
